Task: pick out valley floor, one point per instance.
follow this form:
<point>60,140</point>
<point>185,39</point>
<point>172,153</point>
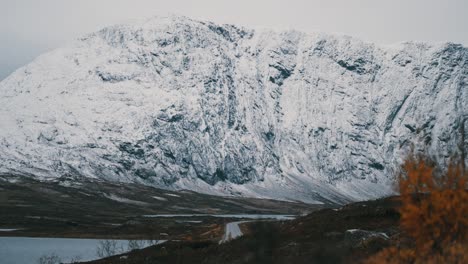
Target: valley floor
<point>92,209</point>
<point>343,235</point>
<point>193,225</point>
<point>102,211</point>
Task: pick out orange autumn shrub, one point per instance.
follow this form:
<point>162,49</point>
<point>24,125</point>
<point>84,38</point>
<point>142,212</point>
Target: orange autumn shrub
<point>433,215</point>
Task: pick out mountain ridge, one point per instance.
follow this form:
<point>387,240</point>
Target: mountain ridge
<point>183,104</point>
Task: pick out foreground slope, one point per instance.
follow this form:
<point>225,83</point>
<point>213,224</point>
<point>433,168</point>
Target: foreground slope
<point>183,104</point>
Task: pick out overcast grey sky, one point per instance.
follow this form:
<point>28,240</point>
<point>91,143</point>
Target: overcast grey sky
<point>31,27</point>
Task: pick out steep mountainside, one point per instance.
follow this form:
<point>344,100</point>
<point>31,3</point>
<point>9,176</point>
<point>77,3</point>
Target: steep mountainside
<point>178,103</point>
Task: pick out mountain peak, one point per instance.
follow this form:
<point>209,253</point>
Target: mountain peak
<point>182,104</point>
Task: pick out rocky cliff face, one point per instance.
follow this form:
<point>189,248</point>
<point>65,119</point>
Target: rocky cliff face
<point>178,103</point>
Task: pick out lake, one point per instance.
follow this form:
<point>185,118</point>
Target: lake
<point>28,250</point>
<point>246,216</point>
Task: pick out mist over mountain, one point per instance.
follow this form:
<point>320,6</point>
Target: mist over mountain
<point>183,104</point>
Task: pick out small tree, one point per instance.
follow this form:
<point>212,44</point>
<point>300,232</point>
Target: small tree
<point>75,259</point>
<point>107,248</point>
<point>135,244</point>
<point>49,259</point>
<point>434,215</point>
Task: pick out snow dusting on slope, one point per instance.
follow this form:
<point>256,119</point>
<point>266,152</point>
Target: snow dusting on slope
<point>183,104</point>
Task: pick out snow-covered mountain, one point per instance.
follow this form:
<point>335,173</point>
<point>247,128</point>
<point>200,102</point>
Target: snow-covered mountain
<point>178,103</point>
